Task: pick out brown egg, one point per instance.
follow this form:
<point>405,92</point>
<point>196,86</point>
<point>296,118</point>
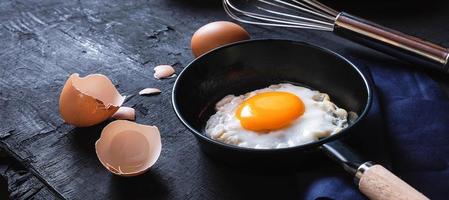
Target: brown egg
<point>128,149</point>
<point>216,34</point>
<point>89,100</point>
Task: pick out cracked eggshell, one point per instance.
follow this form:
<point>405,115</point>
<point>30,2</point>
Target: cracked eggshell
<point>128,149</point>
<point>163,71</point>
<point>90,100</point>
<point>125,113</point>
<point>149,91</point>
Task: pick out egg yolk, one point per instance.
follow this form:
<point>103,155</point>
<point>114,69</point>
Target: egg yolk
<point>269,111</point>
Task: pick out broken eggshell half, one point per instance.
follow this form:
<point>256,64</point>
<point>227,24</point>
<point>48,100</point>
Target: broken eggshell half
<point>128,149</point>
<point>90,100</point>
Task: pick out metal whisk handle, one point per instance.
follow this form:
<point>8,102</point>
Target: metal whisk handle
<point>392,42</point>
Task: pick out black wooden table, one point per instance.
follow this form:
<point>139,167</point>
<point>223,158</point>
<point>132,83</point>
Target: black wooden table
<point>44,41</point>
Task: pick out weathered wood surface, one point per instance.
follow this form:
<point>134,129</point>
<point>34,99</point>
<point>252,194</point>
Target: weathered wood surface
<point>43,42</point>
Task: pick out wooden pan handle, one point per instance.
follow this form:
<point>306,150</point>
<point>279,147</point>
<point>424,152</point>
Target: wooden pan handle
<point>377,183</point>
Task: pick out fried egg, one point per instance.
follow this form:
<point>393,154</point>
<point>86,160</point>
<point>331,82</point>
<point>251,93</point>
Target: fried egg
<point>279,116</point>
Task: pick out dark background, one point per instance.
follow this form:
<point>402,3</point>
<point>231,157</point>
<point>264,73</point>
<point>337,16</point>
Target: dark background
<point>43,42</point>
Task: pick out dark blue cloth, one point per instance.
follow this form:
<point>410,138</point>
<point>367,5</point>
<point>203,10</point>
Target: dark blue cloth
<point>407,130</point>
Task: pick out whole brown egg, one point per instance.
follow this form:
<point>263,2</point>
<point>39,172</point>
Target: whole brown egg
<point>216,34</point>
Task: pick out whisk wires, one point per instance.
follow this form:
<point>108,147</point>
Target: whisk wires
<point>305,14</point>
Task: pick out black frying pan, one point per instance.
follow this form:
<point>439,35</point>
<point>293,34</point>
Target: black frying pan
<point>245,66</point>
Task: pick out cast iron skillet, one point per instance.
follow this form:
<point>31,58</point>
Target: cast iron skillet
<point>245,66</point>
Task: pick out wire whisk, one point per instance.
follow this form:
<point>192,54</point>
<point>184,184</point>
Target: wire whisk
<point>285,16</point>
<point>314,15</point>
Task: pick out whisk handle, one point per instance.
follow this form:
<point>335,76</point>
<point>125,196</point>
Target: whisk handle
<point>395,43</point>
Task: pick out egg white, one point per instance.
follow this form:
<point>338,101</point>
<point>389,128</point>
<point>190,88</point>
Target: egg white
<point>320,119</point>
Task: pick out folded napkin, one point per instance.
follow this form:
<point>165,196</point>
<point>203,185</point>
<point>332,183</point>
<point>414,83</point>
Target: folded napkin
<point>407,130</point>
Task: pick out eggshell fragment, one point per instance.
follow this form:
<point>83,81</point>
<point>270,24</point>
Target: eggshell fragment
<point>216,34</point>
<point>128,149</point>
<point>149,91</point>
<point>163,71</point>
<point>125,113</point>
<point>86,101</point>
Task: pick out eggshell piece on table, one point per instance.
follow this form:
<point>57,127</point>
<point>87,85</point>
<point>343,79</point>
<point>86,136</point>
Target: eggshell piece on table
<point>149,91</point>
<point>216,34</point>
<point>125,113</point>
<point>128,149</point>
<point>163,71</point>
<point>90,100</point>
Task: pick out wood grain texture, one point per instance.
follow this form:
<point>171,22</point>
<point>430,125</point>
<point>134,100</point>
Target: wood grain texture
<point>44,41</point>
<point>22,183</point>
<point>377,183</point>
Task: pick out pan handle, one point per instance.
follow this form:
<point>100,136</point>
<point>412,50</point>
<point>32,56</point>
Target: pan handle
<point>376,182</point>
<point>373,180</point>
<point>395,43</point>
